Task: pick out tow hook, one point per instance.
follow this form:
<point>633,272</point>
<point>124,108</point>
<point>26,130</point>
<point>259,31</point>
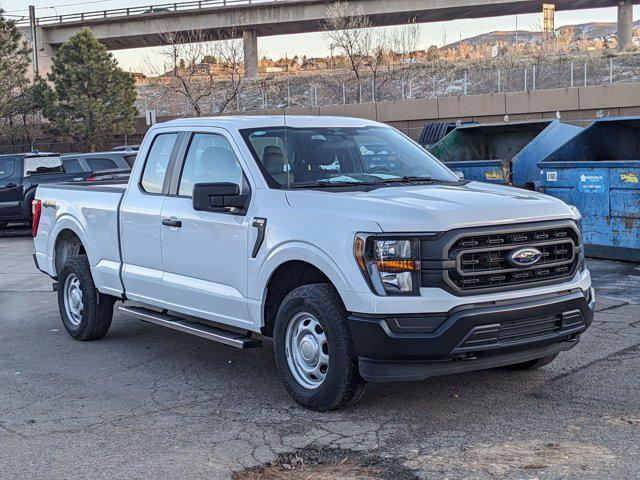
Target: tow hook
<point>468,356</point>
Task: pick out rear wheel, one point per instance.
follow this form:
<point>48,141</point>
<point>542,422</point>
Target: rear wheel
<point>313,349</point>
<point>86,313</point>
<point>533,364</point>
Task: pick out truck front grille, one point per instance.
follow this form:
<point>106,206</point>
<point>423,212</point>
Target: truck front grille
<point>514,332</point>
<point>482,260</point>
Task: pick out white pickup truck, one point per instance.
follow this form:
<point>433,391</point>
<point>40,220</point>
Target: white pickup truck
<point>362,256</point>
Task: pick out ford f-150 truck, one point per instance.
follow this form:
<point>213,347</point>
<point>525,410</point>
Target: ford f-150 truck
<point>359,254</point>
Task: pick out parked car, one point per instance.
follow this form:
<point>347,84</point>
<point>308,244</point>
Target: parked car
<point>98,161</point>
<point>245,228</point>
<point>20,174</point>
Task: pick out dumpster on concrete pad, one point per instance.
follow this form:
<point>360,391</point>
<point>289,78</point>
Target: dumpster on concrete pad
<point>505,153</point>
<point>598,171</point>
<point>433,132</point>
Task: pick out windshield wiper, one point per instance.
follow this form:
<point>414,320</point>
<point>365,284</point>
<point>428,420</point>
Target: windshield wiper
<point>324,184</point>
<point>408,179</point>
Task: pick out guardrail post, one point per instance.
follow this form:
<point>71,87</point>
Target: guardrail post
<point>571,73</point>
<point>465,82</point>
<point>534,77</point>
<point>585,73</point>
<point>525,79</point>
<point>499,81</point>
<point>410,90</point>
<point>344,94</point>
<point>611,71</point>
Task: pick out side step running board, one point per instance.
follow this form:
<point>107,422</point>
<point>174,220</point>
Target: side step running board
<point>216,334</point>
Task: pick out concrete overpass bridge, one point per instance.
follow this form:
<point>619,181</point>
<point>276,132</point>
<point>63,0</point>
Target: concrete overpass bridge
<point>143,26</point>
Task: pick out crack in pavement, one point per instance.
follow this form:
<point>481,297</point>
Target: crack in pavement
<point>595,362</point>
<point>612,307</point>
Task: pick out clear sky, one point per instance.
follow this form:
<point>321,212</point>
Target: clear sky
<point>313,44</point>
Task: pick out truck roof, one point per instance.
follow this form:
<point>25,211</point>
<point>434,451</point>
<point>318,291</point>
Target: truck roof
<point>258,121</point>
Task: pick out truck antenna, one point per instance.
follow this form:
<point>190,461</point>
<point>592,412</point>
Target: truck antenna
<point>286,148</point>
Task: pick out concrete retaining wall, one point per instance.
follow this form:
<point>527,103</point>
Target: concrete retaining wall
<point>578,105</point>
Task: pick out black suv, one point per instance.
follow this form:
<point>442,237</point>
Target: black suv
<point>20,174</point>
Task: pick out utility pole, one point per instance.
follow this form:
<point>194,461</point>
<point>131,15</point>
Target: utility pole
<point>34,40</point>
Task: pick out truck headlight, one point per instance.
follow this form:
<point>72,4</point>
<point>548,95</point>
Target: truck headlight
<point>391,266</point>
<point>576,212</point>
<point>578,221</point>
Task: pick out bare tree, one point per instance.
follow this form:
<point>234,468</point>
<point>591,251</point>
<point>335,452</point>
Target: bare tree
<point>203,71</point>
<point>349,33</point>
<point>379,53</point>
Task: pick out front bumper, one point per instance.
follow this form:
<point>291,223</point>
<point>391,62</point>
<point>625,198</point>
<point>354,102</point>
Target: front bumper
<point>470,337</point>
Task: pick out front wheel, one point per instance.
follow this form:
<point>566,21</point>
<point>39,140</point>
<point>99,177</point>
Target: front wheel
<point>86,313</point>
<point>313,350</point>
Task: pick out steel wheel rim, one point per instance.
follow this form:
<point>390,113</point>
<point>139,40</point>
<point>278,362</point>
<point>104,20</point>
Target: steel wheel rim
<point>307,350</point>
<point>73,299</point>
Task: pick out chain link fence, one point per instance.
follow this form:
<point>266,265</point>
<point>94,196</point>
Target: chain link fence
<point>404,82</point>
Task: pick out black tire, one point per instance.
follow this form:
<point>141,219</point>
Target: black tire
<point>97,310</point>
<point>342,384</point>
<point>532,364</point>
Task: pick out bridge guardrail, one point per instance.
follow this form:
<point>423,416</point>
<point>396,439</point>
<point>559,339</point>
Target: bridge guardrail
<point>146,10</point>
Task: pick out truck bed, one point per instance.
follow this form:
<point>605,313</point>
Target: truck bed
<point>88,210</point>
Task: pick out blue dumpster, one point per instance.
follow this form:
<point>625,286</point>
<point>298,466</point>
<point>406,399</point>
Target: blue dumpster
<point>505,153</point>
<point>598,171</point>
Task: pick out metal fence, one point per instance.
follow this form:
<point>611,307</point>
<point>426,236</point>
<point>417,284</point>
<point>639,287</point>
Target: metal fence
<point>418,81</point>
<point>146,10</point>
<point>73,146</point>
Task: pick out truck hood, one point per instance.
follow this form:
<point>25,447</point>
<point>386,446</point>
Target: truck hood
<point>434,207</point>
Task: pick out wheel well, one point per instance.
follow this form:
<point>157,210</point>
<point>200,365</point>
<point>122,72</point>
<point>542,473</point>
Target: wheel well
<point>67,245</point>
<point>287,277</point>
<point>26,206</point>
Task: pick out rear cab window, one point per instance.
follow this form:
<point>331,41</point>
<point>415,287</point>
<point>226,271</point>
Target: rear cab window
<point>42,165</point>
<point>157,162</point>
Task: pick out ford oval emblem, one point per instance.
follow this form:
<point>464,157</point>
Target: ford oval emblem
<point>525,257</point>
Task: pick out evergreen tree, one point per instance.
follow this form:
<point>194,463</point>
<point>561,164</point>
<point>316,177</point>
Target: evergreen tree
<point>20,96</point>
<point>92,97</point>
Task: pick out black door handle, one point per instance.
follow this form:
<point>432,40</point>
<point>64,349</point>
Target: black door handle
<point>167,222</point>
<point>11,185</point>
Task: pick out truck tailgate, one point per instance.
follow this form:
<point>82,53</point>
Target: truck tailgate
<point>90,211</point>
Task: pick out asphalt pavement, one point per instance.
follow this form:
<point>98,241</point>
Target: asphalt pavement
<point>148,402</point>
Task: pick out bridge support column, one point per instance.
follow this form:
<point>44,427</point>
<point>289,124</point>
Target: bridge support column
<point>250,47</point>
<point>625,25</point>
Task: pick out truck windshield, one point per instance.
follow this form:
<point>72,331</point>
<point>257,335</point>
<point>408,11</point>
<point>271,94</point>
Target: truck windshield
<point>40,165</point>
<point>331,157</point>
